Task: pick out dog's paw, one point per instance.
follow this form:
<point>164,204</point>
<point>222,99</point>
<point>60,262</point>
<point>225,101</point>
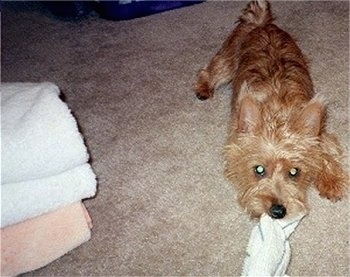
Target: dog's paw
<point>202,88</point>
<point>334,191</point>
<point>202,97</point>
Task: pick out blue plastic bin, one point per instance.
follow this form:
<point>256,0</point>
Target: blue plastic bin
<point>129,9</point>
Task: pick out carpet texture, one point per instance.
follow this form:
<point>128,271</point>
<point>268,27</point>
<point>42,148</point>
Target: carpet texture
<point>163,205</point>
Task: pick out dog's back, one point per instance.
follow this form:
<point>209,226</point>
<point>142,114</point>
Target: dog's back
<point>269,60</point>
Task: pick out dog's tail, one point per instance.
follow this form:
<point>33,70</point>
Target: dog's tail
<point>258,13</point>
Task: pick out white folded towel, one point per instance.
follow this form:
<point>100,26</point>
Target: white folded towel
<point>268,252</point>
<point>40,137</point>
<point>28,199</point>
<point>43,156</point>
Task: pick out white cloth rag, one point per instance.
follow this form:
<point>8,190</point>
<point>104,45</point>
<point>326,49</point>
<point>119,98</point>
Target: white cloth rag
<point>44,162</point>
<point>268,251</point>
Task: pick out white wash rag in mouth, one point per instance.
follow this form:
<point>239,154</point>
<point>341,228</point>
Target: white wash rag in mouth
<point>268,252</point>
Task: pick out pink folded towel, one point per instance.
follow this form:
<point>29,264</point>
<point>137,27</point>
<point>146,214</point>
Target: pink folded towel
<point>38,241</point>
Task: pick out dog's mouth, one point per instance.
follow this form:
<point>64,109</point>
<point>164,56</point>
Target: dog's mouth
<point>276,207</point>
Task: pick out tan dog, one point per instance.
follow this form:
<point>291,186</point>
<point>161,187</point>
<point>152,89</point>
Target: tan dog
<point>278,146</point>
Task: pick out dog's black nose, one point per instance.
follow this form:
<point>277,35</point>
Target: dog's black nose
<point>277,211</point>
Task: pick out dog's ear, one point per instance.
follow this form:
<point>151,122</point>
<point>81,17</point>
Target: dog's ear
<point>311,120</point>
<point>249,118</point>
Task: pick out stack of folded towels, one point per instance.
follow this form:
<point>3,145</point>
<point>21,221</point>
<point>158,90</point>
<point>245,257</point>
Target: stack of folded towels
<point>45,174</point>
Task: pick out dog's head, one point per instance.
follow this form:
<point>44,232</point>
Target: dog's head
<point>273,155</point>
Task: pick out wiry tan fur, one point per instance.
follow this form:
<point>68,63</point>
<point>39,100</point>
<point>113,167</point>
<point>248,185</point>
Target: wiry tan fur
<point>277,122</point>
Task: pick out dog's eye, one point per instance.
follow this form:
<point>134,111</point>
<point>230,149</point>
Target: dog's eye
<point>294,172</point>
<point>260,170</point>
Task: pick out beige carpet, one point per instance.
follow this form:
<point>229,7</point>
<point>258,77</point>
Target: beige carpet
<point>164,206</point>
